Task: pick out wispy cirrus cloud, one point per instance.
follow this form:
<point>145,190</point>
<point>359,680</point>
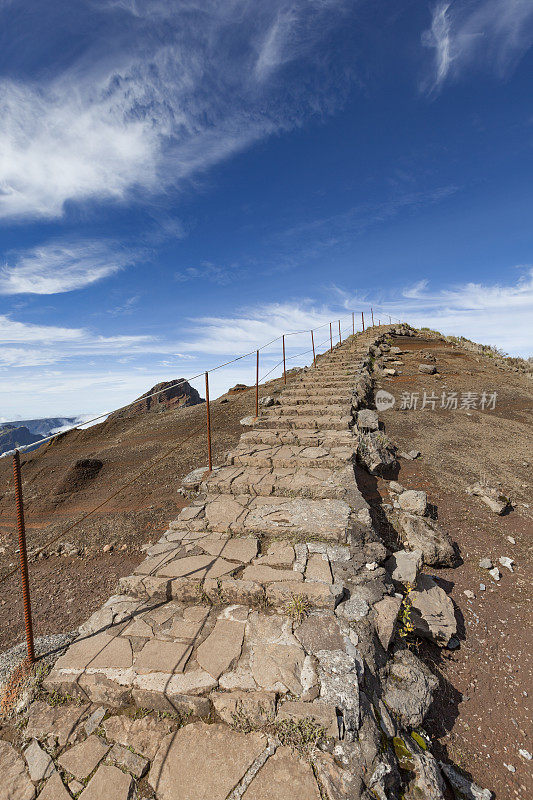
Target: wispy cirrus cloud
<point>63,266</point>
<point>487,34</point>
<point>147,107</point>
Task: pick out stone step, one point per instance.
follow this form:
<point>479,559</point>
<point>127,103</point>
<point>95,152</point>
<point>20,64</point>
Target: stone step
<point>324,382</point>
<point>319,422</point>
<point>311,390</point>
<point>291,409</point>
<point>176,653</point>
<point>265,516</point>
<point>263,455</point>
<point>303,437</point>
<point>308,482</point>
<point>318,397</point>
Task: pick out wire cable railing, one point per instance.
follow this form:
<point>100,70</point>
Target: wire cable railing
<point>315,348</point>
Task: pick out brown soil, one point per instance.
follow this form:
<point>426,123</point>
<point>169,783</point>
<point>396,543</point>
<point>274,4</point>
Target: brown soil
<point>62,482</point>
<point>482,714</point>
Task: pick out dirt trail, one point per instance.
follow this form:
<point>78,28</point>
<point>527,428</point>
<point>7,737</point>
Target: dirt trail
<point>482,715</point>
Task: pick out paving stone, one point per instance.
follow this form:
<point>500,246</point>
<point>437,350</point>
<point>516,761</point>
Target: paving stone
<point>81,759</point>
<point>108,782</point>
<point>15,783</point>
<point>160,656</point>
<point>221,648</point>
<point>318,569</point>
<point>320,632</point>
<point>75,787</point>
<point>265,575</point>
<point>323,714</point>
<point>100,651</point>
<point>278,667</point>
<point>58,723</point>
<point>144,735</point>
<point>284,776</point>
<point>121,757</point>
<point>193,763</point>
<point>54,789</point>
<point>237,549</point>
<point>40,765</point>
<point>196,567</point>
<point>258,708</point>
<point>94,720</point>
<point>279,554</point>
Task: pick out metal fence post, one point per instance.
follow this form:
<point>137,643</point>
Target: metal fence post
<point>209,459</point>
<point>372,315</point>
<point>340,337</point>
<point>353,323</point>
<point>257,384</point>
<point>284,369</point>
<point>330,339</point>
<point>363,320</point>
<point>23,557</point>
<point>313,344</point>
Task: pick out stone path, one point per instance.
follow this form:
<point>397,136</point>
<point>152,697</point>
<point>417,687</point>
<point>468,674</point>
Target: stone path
<point>260,623</point>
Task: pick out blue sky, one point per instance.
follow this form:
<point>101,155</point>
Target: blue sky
<point>180,181</point>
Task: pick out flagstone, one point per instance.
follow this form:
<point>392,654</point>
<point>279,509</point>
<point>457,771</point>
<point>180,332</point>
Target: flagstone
<point>162,656</point>
<point>108,782</point>
<point>100,651</point>
<point>196,567</point>
<point>221,648</point>
<point>15,783</point>
<point>193,763</point>
<point>82,759</point>
<point>284,776</point>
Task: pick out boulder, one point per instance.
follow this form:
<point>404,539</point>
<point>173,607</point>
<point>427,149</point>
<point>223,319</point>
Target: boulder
<point>386,618</point>
<point>464,787</point>
<point>427,781</point>
<point>376,452</point>
<point>432,612</point>
<point>427,369</point>
<point>367,420</point>
<point>491,496</point>
<point>414,502</point>
<point>404,565</point>
<point>421,533</point>
<point>408,689</point>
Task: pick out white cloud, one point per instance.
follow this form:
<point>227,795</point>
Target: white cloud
<point>490,34</point>
<point>62,266</point>
<point>190,86</point>
<point>497,313</point>
<point>37,345</point>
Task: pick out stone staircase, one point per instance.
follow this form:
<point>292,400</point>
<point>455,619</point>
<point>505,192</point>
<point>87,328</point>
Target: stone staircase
<point>257,610</point>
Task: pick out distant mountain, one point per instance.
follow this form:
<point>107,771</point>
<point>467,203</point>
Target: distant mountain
<point>40,427</point>
<point>170,394</point>
<point>11,437</point>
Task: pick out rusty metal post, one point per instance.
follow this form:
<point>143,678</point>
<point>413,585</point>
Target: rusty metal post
<point>353,323</point>
<point>390,320</point>
<point>284,369</point>
<point>363,320</point>
<point>379,323</point>
<point>372,315</point>
<point>209,458</point>
<point>23,557</point>
<point>340,337</point>
<point>330,339</point>
<point>313,344</point>
<point>257,384</point>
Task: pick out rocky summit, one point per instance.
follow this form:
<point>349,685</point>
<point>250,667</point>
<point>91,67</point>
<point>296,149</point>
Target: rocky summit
<point>260,649</point>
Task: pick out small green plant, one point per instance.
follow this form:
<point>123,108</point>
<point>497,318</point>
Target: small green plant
<point>302,734</point>
<point>297,608</point>
<point>141,712</point>
<point>404,614</point>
